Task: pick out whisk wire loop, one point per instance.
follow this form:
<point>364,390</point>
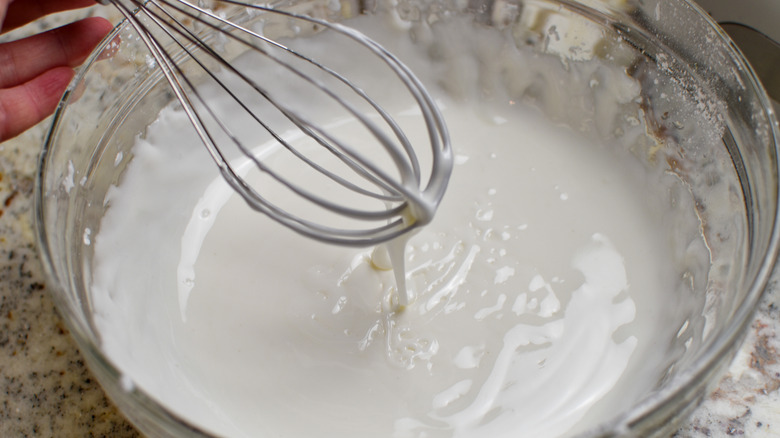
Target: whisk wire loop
<point>406,203</point>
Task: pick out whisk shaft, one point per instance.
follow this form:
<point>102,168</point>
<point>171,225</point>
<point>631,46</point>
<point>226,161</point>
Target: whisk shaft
<point>406,203</point>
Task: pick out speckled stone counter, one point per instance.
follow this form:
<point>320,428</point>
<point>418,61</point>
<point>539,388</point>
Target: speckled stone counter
<point>46,390</point>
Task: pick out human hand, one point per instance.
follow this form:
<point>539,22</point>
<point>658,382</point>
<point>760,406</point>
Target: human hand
<point>35,71</point>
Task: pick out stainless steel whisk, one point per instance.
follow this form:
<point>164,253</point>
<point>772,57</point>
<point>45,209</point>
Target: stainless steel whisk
<point>400,194</point>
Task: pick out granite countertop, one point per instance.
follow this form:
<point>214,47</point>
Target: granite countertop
<point>46,389</point>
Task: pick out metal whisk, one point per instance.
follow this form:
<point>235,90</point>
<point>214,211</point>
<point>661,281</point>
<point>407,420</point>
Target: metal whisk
<point>362,192</point>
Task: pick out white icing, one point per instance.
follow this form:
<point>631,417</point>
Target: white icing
<point>536,288</point>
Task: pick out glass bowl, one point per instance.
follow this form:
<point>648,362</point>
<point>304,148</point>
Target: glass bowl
<point>699,111</point>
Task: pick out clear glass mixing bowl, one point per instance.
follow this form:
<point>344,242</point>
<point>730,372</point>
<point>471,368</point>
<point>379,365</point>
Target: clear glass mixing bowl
<point>702,114</point>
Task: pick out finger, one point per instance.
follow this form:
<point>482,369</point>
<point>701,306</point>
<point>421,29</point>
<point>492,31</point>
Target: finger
<point>69,45</point>
<point>21,12</point>
<point>24,106</point>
